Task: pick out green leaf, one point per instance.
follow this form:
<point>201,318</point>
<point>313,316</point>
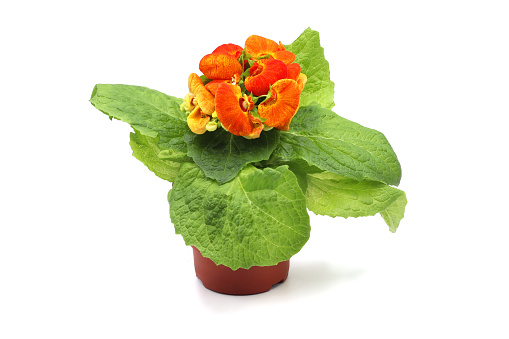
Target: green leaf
<point>335,196</point>
<point>204,79</point>
<point>151,113</point>
<point>174,156</point>
<point>146,150</point>
<point>301,169</point>
<point>259,218</point>
<point>395,212</point>
<point>331,143</point>
<point>221,155</point>
<point>310,56</point>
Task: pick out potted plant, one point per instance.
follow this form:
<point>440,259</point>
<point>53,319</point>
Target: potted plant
<point>250,149</point>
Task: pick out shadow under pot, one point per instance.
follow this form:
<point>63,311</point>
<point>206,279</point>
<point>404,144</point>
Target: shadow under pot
<point>222,279</point>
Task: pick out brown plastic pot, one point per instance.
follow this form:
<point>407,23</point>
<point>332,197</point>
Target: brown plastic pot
<point>222,279</point>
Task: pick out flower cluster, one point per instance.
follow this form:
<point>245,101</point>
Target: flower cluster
<point>245,90</point>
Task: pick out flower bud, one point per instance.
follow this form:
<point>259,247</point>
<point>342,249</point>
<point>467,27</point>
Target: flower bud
<point>211,126</point>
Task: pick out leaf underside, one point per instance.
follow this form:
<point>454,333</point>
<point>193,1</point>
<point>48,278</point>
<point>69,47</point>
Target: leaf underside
<point>335,196</point>
<point>146,150</point>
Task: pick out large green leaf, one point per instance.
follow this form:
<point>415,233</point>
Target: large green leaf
<point>146,150</point>
<point>310,56</point>
<point>151,113</point>
<point>259,218</point>
<point>221,155</point>
<point>332,195</point>
<point>331,143</point>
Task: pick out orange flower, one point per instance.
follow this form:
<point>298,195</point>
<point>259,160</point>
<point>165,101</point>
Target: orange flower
<point>197,121</point>
<point>231,49</point>
<point>204,98</point>
<point>233,111</point>
<point>258,46</point>
<point>222,101</point>
<point>279,109</point>
<point>220,66</point>
<point>264,73</point>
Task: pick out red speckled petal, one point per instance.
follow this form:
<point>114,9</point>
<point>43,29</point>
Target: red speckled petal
<point>264,73</point>
<point>219,66</point>
<point>258,46</point>
<point>231,49</point>
<point>293,71</point>
<point>257,127</point>
<point>285,56</point>
<point>229,112</point>
<point>280,108</point>
<point>214,84</point>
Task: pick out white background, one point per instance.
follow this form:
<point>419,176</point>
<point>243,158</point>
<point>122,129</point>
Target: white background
<point>87,249</point>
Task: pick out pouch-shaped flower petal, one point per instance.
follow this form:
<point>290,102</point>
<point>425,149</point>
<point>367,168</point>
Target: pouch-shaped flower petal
<point>214,84</point>
<point>264,73</point>
<point>197,121</point>
<point>301,80</point>
<point>257,128</point>
<point>203,96</point>
<point>293,71</point>
<point>232,111</point>
<point>279,109</point>
<point>189,102</point>
<point>220,66</point>
<point>231,49</point>
<point>258,46</point>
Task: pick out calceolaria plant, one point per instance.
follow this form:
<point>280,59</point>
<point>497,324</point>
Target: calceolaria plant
<point>253,146</point>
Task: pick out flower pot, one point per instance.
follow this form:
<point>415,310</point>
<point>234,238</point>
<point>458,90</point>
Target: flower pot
<point>222,279</point>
